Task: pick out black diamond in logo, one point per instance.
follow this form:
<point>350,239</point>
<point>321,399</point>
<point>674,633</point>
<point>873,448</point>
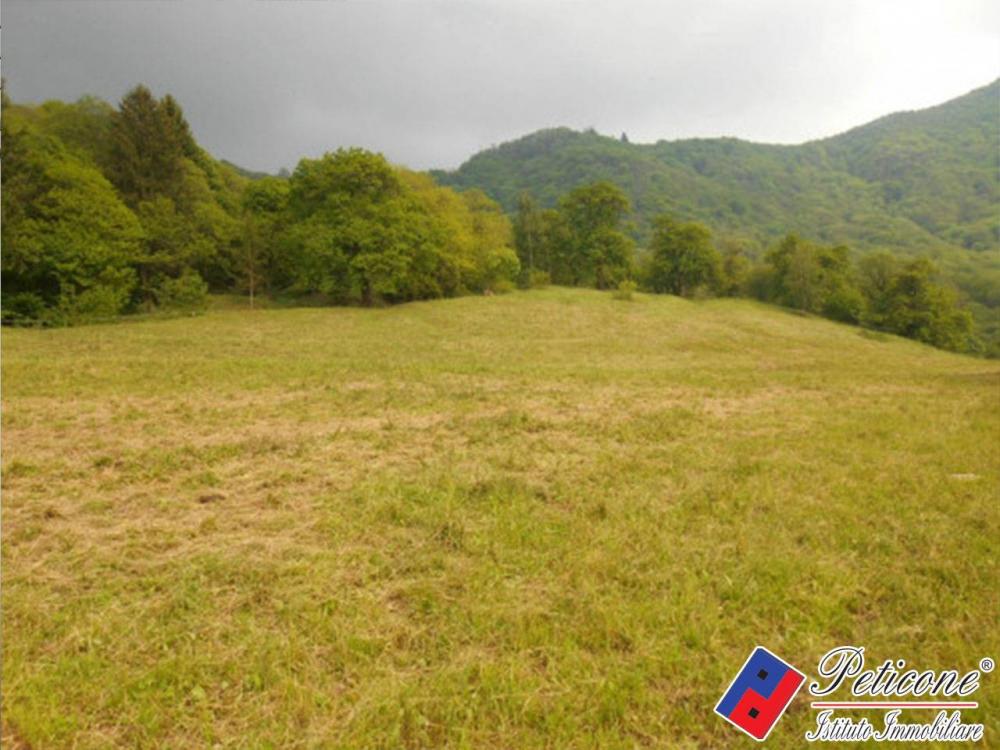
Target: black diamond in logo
<point>754,713</point>
<point>762,674</point>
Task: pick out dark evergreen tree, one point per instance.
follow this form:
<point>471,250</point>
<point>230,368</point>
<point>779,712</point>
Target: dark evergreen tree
<point>147,145</point>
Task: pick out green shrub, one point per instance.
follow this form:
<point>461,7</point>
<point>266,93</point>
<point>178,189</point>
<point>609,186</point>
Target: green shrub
<point>23,308</point>
<point>845,304</point>
<point>91,305</point>
<point>700,292</point>
<point>539,279</point>
<point>625,290</point>
<point>187,292</point>
<point>502,286</point>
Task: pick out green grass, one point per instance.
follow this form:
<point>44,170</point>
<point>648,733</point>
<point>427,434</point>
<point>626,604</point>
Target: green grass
<point>548,519</point>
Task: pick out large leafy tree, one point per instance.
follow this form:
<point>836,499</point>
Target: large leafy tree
<point>367,232</point>
<point>598,205</point>
<point>587,244</point>
<point>351,232</point>
<point>876,274</point>
<point>921,309</point>
<point>683,258</point>
<point>68,241</point>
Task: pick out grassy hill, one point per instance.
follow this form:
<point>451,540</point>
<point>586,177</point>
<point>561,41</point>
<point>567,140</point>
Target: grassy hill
<point>915,183</point>
<point>545,519</point>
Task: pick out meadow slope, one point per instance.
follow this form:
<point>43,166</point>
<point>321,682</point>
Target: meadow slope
<point>545,519</point>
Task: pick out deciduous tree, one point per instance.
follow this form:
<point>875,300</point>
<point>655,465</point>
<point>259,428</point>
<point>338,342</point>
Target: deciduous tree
<point>683,258</point>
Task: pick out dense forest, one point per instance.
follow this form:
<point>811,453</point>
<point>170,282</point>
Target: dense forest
<point>916,184</point>
<point>109,211</point>
<point>115,210</point>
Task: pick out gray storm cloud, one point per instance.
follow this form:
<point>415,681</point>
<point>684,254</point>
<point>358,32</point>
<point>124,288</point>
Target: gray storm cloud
<point>429,83</point>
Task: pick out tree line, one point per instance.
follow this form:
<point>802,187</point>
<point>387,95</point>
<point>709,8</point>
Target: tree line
<point>585,241</point>
<point>109,211</point>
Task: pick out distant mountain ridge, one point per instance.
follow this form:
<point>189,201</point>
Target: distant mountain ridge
<point>911,179</point>
<point>920,182</point>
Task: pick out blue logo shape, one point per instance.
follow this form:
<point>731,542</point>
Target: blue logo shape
<point>760,693</point>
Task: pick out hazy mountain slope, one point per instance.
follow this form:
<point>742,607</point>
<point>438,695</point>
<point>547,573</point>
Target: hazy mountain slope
<point>938,166</point>
<point>915,177</point>
<point>918,182</point>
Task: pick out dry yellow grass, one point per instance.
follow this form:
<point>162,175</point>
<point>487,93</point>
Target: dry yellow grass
<point>548,519</point>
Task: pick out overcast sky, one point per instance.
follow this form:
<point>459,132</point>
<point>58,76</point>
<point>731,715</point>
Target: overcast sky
<point>430,82</point>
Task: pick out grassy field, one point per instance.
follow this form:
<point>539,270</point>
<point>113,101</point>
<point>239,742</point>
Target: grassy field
<point>546,519</point>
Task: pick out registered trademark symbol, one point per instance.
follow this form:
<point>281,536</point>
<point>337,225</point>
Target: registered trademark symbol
<point>986,665</point>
